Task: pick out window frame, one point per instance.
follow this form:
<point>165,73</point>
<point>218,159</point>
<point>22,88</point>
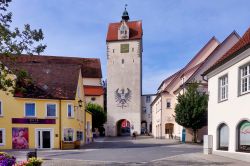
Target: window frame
<point>4,137</point>
<point>148,98</point>
<point>73,135</point>
<point>46,110</point>
<point>247,77</point>
<point>72,111</point>
<point>1,107</point>
<point>25,109</point>
<point>223,88</point>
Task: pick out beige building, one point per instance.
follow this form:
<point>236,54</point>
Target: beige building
<point>164,125</point>
<point>124,57</point>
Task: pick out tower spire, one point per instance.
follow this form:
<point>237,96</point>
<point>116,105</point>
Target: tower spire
<point>125,16</point>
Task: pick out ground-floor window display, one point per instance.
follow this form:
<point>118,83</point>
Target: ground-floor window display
<point>20,138</point>
<point>223,137</point>
<point>68,134</point>
<point>244,136</point>
<point>44,138</point>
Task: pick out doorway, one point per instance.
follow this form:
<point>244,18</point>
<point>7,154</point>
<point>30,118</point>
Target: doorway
<point>44,138</point>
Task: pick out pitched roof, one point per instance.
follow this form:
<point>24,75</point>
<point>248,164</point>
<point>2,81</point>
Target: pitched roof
<point>93,90</point>
<point>135,30</point>
<point>191,63</point>
<point>90,67</point>
<point>238,48</point>
<point>49,81</point>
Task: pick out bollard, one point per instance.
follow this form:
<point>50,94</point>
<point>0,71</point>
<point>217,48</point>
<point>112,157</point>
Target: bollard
<point>207,144</point>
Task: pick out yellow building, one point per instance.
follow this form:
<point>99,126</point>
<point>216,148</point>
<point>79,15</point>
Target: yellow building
<point>50,113</point>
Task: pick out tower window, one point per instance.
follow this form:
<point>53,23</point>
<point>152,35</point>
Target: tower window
<point>133,49</point>
<point>113,50</point>
<point>122,61</point>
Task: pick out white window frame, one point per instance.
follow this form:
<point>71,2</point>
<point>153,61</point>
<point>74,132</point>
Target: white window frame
<point>247,77</point>
<point>25,109</point>
<point>1,113</point>
<point>46,110</point>
<point>4,136</point>
<point>73,134</point>
<point>223,88</point>
<point>73,110</point>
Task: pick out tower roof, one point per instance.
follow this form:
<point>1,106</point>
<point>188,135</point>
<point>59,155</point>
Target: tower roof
<point>125,15</point>
<point>135,31</point>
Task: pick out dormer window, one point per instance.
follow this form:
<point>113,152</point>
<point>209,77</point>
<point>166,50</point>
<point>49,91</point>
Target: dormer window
<point>123,31</point>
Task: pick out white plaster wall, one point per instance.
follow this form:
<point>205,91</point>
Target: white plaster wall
<point>92,81</point>
<point>156,118</point>
<point>147,116</point>
<point>127,75</point>
<point>235,109</point>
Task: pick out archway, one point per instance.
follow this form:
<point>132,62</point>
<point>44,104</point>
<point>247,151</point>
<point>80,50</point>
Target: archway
<point>244,136</point>
<point>223,137</point>
<point>144,128</point>
<point>123,127</point>
<point>169,128</point>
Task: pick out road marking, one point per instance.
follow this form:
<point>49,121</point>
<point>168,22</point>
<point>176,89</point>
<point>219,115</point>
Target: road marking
<point>98,161</point>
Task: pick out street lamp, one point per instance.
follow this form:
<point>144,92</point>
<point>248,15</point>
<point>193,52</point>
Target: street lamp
<point>80,103</point>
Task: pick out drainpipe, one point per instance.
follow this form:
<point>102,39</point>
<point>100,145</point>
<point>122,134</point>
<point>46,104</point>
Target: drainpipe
<point>60,124</point>
<point>161,118</point>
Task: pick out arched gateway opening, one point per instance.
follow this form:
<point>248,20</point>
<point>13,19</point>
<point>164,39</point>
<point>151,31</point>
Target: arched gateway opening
<point>123,127</point>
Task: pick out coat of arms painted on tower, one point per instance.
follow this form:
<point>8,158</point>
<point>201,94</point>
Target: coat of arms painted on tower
<point>122,97</point>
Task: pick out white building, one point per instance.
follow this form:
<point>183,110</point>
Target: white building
<point>229,101</point>
<point>164,125</point>
<point>146,112</point>
<point>124,71</point>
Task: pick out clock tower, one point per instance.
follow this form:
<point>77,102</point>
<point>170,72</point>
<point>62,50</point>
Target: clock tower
<point>124,77</point>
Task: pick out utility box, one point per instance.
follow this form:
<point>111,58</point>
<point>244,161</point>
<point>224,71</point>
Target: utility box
<point>208,144</point>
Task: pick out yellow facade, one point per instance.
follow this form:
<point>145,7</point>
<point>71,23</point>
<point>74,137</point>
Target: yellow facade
<point>89,134</point>
<point>13,107</point>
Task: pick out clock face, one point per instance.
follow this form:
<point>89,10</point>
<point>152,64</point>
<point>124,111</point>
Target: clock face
<point>124,48</point>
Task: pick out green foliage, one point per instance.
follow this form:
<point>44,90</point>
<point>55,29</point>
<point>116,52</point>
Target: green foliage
<point>99,117</point>
<point>191,110</point>
<point>14,41</point>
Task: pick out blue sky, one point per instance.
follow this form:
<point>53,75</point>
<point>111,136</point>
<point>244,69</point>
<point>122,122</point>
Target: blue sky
<point>174,30</point>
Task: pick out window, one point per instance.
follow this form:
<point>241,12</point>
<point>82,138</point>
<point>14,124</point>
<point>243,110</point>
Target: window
<point>70,110</point>
<point>30,109</point>
<point>2,137</point>
<point>79,135</point>
<point>1,108</point>
<point>147,99</point>
<point>223,137</point>
<point>124,48</point>
<point>244,136</point>
<point>245,79</point>
<point>68,135</point>
<point>122,61</point>
<point>93,98</point>
<point>223,88</point>
<point>168,103</point>
<point>51,110</point>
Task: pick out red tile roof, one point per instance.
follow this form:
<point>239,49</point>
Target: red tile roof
<point>93,90</point>
<point>90,67</point>
<point>239,47</point>
<point>49,81</point>
<point>135,30</point>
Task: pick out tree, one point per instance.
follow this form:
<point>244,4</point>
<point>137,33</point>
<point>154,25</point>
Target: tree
<point>191,110</point>
<point>99,117</point>
<point>14,41</point>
